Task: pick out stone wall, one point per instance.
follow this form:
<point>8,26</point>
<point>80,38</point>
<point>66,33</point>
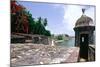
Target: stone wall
<point>36,39</point>
<point>41,40</point>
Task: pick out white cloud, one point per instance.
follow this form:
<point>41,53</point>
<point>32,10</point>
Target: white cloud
<point>71,14</point>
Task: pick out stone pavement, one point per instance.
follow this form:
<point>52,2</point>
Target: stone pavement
<point>33,54</point>
<point>74,55</point>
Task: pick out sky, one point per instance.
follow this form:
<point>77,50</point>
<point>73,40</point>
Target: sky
<point>61,17</point>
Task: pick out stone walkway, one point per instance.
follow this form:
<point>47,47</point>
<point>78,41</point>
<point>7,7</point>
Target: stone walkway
<point>33,54</point>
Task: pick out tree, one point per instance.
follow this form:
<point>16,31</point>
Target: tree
<point>23,22</point>
<point>60,37</point>
<point>45,22</point>
<point>47,33</point>
<point>31,23</point>
<point>19,21</point>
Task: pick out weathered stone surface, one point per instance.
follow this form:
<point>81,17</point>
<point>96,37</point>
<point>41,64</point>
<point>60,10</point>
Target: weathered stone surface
<point>32,54</point>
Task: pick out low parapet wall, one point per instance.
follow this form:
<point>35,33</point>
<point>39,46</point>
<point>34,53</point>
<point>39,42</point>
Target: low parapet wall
<point>29,38</point>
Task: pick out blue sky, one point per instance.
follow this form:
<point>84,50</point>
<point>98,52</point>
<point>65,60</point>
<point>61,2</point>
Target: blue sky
<point>61,18</point>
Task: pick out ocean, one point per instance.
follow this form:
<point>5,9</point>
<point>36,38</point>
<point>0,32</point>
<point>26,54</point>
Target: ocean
<point>67,43</point>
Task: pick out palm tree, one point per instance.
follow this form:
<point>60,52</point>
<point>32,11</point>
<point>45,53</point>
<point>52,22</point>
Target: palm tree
<point>45,22</point>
